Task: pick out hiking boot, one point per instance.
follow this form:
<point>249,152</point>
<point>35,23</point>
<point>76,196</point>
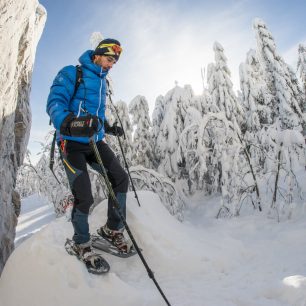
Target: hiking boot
<point>115,237</point>
<point>83,251</point>
<point>95,263</point>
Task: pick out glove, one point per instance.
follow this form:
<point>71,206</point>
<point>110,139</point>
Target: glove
<point>79,126</point>
<point>113,130</point>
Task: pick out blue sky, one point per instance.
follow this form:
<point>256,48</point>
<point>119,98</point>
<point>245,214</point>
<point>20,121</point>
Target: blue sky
<point>163,42</point>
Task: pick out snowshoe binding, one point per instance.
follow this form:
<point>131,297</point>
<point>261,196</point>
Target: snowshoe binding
<point>113,242</point>
<point>94,263</point>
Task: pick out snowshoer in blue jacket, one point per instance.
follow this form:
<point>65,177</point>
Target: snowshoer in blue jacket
<point>79,116</point>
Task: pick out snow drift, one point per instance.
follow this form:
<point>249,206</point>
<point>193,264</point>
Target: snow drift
<point>203,261</point>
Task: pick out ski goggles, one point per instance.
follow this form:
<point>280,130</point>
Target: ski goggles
<point>109,49</point>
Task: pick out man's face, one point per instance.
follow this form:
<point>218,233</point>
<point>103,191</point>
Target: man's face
<point>106,62</point>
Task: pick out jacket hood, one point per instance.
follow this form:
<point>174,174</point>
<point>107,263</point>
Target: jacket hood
<point>86,61</point>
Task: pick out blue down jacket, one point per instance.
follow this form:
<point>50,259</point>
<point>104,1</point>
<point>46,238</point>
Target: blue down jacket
<point>89,98</point>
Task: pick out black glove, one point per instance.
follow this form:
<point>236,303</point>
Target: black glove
<point>80,126</point>
<point>114,130</point>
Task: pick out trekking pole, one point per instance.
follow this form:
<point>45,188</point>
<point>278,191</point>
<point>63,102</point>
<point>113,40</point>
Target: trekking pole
<point>121,148</point>
<point>117,207</point>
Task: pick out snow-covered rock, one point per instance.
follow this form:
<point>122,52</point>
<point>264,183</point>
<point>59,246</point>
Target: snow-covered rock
<point>21,25</point>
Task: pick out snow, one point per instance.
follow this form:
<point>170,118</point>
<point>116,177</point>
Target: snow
<point>291,137</point>
<point>35,214</point>
<point>243,261</point>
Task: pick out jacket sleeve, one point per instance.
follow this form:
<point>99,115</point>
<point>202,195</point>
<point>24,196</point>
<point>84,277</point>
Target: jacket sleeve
<point>60,95</point>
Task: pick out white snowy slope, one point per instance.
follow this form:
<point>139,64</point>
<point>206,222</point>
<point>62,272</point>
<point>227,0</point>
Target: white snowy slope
<point>35,213</point>
<point>244,261</point>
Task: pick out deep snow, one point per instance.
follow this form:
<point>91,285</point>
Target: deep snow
<point>203,261</point>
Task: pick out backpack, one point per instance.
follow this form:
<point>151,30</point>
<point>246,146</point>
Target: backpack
<point>79,80</point>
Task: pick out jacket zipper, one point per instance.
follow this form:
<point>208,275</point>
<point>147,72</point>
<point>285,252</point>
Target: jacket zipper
<point>100,95</point>
<point>80,108</point>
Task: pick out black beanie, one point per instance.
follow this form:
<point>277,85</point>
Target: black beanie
<point>109,47</point>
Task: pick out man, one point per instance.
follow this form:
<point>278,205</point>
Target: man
<point>79,117</point>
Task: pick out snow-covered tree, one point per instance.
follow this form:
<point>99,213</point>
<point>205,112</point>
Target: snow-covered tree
<point>142,139</point>
<point>215,161</point>
<point>40,179</point>
<point>192,114</point>
<point>204,103</point>
<point>176,103</point>
<point>49,186</point>
<point>220,87</point>
<point>121,110</point>
<point>285,150</point>
<point>157,119</point>
<point>301,65</point>
<point>27,178</point>
<point>257,101</point>
<point>148,179</point>
<point>287,95</point>
<point>255,95</point>
<point>287,118</point>
<point>302,69</point>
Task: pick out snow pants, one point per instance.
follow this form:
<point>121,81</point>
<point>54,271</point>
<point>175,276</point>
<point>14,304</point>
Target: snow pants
<point>75,157</point>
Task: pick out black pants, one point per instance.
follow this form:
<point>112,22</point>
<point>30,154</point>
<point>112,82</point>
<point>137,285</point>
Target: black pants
<point>75,158</point>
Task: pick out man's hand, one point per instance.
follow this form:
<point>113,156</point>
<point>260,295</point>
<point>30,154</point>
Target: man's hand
<point>80,126</point>
<point>113,130</point>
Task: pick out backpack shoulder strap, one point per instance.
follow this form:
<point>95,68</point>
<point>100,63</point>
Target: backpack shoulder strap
<point>79,79</point>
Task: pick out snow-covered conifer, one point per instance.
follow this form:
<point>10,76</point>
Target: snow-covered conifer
<point>158,115</point>
<point>123,113</point>
<point>206,103</point>
<point>27,178</point>
<point>257,102</point>
<point>302,69</point>
<point>213,157</point>
<point>48,185</point>
<point>302,65</point>
<point>39,178</point>
<point>286,156</point>
<point>110,116</point>
<point>286,94</point>
<point>220,87</point>
<point>176,102</point>
<point>192,115</point>
<point>142,139</point>
<point>157,118</point>
<point>254,93</point>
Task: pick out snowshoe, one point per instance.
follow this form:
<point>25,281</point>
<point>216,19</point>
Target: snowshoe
<point>94,263</point>
<point>113,242</point>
